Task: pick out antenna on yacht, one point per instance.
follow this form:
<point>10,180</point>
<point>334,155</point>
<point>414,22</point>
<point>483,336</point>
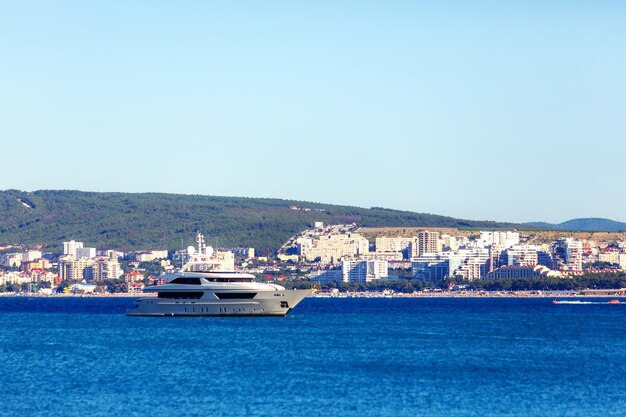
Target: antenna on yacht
<point>201,244</point>
<point>182,254</point>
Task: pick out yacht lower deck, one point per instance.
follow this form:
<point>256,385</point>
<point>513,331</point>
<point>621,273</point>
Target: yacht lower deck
<point>264,303</point>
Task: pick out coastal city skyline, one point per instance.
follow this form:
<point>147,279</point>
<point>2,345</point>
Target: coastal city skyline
<point>506,112</point>
<point>329,255</point>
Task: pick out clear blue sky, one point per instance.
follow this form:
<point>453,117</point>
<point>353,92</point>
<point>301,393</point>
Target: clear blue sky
<point>512,111</point>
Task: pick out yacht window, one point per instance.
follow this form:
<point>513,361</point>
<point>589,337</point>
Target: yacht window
<point>181,294</point>
<point>229,279</point>
<point>230,295</point>
<point>185,280</point>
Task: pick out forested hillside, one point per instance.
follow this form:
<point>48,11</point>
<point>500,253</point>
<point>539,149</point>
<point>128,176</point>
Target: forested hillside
<point>149,220</point>
<point>585,224</point>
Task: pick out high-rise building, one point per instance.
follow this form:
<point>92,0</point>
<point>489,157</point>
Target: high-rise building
<point>73,269</point>
<point>428,242</point>
<point>568,254</point>
<point>106,268</point>
<point>497,257</point>
<point>89,268</point>
<point>574,255</point>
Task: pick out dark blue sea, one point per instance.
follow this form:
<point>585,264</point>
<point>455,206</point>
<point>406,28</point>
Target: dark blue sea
<point>329,357</point>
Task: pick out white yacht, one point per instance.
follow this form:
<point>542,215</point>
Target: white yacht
<point>203,288</point>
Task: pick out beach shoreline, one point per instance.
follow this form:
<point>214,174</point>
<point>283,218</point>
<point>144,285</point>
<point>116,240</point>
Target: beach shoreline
<point>618,293</point>
<point>518,294</point>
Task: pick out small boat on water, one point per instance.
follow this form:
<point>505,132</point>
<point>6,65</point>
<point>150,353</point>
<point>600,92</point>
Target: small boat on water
<point>555,301</point>
<point>615,301</point>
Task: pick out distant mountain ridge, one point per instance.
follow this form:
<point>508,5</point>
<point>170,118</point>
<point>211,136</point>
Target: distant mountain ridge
<point>169,221</point>
<point>590,224</point>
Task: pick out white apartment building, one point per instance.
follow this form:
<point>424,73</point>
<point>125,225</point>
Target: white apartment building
<point>97,269</point>
<point>324,276</point>
<point>495,252</point>
<point>71,268</point>
<point>614,257</point>
<point>364,271</point>
<point>225,261</point>
<point>14,278</point>
<point>393,244</point>
<point>505,239</point>
<point>31,255</point>
<point>453,243</point>
<point>159,254</point>
<point>470,264</point>
<point>381,256</point>
<point>571,252</point>
<point>111,254</point>
<point>430,267</point>
<point>85,253</point>
<point>150,255</point>
<point>108,269</point>
<point>611,256</point>
<point>522,255</point>
<point>69,248</point>
<point>42,275</point>
<point>474,268</point>
<point>13,260</point>
<point>332,247</point>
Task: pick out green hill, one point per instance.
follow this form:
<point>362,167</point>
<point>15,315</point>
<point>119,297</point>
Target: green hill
<point>591,224</point>
<point>149,220</point>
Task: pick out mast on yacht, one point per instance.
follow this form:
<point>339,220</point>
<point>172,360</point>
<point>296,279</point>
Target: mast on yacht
<point>200,259</point>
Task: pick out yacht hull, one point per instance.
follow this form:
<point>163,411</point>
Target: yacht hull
<point>264,303</point>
